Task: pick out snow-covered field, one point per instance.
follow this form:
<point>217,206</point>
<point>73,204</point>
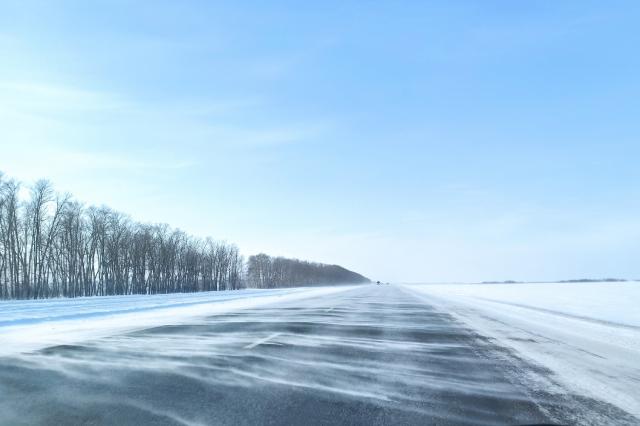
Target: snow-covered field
<point>34,324</point>
<point>586,334</point>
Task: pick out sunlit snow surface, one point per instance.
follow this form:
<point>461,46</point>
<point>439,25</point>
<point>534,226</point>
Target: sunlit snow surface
<point>363,355</point>
<point>26,325</point>
<point>587,334</point>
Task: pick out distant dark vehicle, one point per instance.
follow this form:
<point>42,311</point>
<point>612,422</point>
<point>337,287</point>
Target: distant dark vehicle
<point>377,282</point>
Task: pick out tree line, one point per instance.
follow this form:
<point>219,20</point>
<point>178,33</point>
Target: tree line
<point>54,246</point>
<point>265,271</point>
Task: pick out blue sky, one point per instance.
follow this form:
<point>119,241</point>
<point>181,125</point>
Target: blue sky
<point>410,140</point>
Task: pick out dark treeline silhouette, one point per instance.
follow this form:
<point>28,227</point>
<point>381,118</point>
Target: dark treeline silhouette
<point>264,271</point>
<point>53,246</point>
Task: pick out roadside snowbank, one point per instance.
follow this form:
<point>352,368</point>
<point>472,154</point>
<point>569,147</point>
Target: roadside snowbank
<point>587,334</point>
<point>35,324</point>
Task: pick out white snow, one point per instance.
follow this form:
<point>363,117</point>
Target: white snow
<point>35,324</point>
<point>587,334</point>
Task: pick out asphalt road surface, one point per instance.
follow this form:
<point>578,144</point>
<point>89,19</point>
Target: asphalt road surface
<point>373,355</point>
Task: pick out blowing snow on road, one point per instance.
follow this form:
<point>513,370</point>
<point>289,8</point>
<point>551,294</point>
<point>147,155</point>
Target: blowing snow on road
<point>353,355</point>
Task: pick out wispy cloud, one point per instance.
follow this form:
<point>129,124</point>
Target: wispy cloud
<point>93,161</point>
<point>32,106</point>
<point>44,97</point>
<point>53,130</point>
<point>247,137</point>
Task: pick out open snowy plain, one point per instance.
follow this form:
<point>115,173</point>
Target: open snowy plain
<point>369,355</point>
<point>586,334</point>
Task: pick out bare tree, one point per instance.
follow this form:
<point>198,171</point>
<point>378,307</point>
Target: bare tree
<point>52,246</point>
<point>264,271</point>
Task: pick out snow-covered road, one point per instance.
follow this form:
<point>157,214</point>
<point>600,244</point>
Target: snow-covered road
<point>28,325</point>
<point>586,334</point>
<point>363,355</point>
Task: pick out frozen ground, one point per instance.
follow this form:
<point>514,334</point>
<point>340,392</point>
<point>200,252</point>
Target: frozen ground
<point>587,334</point>
<point>369,355</point>
<point>27,325</point>
<point>363,355</point>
